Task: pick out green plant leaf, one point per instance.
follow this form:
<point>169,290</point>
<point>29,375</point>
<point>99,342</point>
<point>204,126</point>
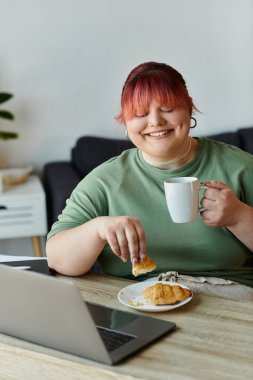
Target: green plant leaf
<point>4,96</point>
<point>6,115</point>
<point>8,135</point>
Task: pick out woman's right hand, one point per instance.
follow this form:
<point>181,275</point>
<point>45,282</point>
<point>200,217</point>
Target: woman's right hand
<point>125,235</point>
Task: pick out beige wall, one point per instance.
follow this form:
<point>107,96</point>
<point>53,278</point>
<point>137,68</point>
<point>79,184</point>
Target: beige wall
<point>66,60</point>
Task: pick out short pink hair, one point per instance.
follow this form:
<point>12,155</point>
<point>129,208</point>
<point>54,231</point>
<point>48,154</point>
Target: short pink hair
<point>152,80</point>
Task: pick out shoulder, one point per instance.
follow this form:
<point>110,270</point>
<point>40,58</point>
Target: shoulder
<point>111,169</point>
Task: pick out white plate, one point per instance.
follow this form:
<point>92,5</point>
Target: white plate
<point>133,294</point>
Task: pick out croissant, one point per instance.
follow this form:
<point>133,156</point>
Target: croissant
<point>165,294</point>
<point>143,267</point>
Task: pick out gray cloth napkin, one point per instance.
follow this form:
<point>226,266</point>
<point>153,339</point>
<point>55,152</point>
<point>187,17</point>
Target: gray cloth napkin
<point>211,286</point>
<point>175,276</point>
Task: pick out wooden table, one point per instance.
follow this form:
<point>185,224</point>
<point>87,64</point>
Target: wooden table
<point>213,340</point>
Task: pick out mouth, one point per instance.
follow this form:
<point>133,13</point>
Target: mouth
<point>160,133</point>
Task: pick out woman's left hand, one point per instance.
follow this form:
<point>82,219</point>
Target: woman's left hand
<point>222,207</point>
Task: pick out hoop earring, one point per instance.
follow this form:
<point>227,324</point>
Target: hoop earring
<point>195,122</point>
<point>126,133</point>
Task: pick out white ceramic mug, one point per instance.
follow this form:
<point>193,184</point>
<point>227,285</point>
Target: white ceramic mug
<point>182,198</point>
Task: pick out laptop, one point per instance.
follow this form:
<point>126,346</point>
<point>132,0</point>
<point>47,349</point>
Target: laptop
<point>50,312</point>
<point>35,265</point>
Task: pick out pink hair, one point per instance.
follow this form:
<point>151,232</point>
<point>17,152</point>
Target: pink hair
<point>152,80</point>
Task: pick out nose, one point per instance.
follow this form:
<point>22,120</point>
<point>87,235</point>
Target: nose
<point>155,119</point>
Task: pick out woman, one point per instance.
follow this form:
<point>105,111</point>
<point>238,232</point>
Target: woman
<point>117,214</point>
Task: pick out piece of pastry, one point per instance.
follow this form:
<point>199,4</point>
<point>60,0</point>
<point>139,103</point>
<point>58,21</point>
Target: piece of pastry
<point>143,267</point>
<point>165,294</point>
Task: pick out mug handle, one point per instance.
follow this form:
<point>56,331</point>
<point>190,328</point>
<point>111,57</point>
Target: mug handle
<point>201,209</point>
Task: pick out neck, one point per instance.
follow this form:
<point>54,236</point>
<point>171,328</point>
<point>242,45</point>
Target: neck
<point>171,164</point>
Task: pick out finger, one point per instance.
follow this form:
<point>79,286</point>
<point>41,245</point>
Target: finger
<point>114,244</point>
<point>133,242</point>
<point>123,245</point>
<point>212,194</point>
<point>216,185</point>
<point>142,240</point>
<point>209,219</point>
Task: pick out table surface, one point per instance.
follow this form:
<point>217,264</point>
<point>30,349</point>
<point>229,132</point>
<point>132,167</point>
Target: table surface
<point>213,340</point>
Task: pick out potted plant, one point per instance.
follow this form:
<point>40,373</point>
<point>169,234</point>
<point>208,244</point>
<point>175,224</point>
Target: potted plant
<point>10,176</point>
<point>4,97</point>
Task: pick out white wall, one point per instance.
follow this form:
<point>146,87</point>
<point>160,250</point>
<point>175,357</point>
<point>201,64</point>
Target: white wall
<point>66,61</point>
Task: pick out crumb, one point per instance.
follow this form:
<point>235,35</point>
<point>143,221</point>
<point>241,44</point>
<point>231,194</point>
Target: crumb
<point>135,303</point>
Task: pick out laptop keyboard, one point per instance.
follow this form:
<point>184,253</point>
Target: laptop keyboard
<point>114,339</point>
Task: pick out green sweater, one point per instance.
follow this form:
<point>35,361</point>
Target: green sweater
<point>128,185</point>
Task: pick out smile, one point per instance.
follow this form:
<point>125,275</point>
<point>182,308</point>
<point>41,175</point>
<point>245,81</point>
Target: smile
<point>159,134</point>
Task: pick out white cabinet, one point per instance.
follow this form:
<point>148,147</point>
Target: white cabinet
<point>23,212</point>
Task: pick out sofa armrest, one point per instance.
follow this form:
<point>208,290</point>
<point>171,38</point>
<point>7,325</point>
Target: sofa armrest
<point>60,179</point>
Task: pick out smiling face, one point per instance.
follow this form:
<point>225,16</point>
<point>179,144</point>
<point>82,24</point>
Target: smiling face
<point>156,110</point>
<point>160,132</point>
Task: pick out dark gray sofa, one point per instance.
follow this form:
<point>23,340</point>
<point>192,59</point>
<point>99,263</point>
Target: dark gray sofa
<point>61,177</point>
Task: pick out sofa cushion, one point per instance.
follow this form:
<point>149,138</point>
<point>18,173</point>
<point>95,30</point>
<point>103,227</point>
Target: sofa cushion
<point>90,152</point>
<point>246,137</point>
<point>231,138</point>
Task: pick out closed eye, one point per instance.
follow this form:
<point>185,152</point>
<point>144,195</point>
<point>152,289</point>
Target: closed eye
<point>141,115</point>
<point>167,110</point>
